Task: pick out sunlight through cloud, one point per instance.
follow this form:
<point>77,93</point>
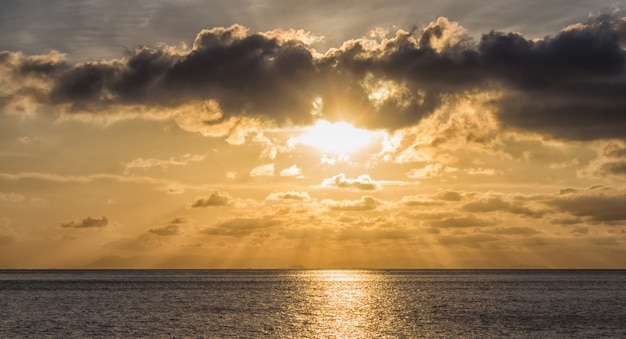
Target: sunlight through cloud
<point>339,137</point>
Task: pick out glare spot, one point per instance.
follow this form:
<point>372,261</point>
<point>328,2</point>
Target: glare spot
<point>338,137</point>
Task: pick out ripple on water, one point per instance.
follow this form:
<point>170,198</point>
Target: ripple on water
<point>312,304</point>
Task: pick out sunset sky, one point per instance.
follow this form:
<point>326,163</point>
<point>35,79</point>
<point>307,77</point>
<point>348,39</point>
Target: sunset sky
<point>322,134</point>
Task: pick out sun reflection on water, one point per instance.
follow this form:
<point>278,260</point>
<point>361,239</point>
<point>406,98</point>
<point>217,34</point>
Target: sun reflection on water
<point>341,303</point>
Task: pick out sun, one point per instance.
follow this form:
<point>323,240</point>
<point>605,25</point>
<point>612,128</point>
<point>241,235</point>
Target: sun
<point>337,137</point>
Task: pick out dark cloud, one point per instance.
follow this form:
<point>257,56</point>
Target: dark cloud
<point>567,221</point>
<point>497,204</point>
<point>449,196</point>
<point>88,222</point>
<point>177,221</point>
<point>615,168</point>
<point>569,85</point>
<point>568,191</point>
<point>216,198</point>
<point>613,162</point>
<point>168,230</point>
<point>598,205</point>
<point>513,231</point>
<point>615,151</point>
<point>241,227</point>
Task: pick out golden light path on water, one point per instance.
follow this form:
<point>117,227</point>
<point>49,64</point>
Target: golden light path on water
<point>344,304</point>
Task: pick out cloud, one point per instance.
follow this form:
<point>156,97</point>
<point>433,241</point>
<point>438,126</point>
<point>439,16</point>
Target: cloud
<point>418,201</point>
<point>241,227</point>
<point>465,221</point>
<point>430,170</point>
<point>289,196</point>
<point>616,168</point>
<point>216,198</point>
<point>291,171</point>
<point>6,239</point>
<point>497,204</point>
<point>449,196</point>
<point>165,231</point>
<point>603,205</point>
<point>366,203</point>
<point>364,182</point>
<point>427,215</point>
<point>266,170</point>
<point>525,231</point>
<point>88,222</point>
<point>177,221</point>
<point>11,197</point>
<point>171,228</point>
<point>611,161</point>
<point>164,164</point>
<point>580,231</point>
<point>567,221</point>
<point>568,84</point>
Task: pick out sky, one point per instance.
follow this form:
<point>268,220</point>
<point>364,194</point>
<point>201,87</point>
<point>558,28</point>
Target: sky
<point>319,134</point>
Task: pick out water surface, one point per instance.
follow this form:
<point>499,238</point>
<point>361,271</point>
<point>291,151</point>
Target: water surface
<point>312,303</point>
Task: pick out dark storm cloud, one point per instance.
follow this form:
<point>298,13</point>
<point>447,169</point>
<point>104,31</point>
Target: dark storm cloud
<point>88,222</point>
<point>569,85</point>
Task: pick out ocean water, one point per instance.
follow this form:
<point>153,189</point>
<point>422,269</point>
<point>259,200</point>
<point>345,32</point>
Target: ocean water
<point>313,304</point>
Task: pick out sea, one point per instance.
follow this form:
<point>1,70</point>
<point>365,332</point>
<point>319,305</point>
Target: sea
<point>312,303</point>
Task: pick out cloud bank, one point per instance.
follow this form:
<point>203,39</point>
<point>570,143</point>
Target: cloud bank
<point>568,85</point>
